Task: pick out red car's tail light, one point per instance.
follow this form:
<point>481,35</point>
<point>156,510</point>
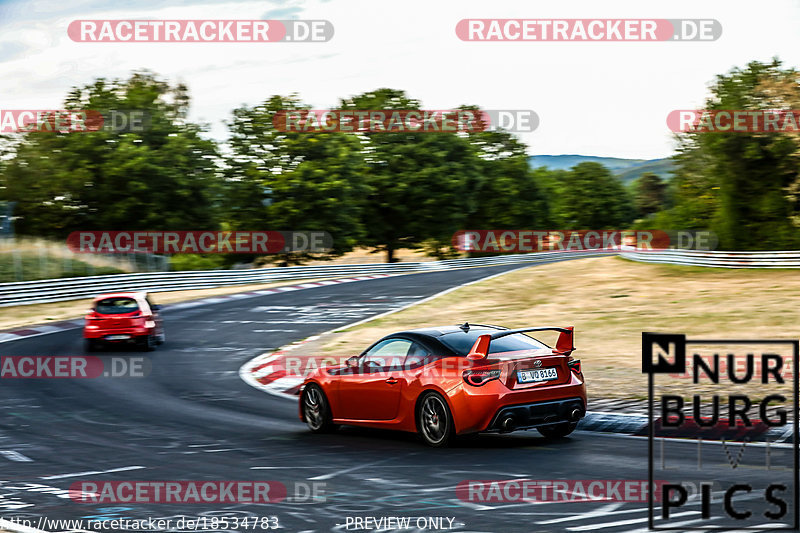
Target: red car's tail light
<point>575,365</point>
<point>477,378</point>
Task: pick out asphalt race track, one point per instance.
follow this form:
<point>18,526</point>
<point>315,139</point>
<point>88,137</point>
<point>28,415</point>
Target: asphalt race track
<point>193,418</point>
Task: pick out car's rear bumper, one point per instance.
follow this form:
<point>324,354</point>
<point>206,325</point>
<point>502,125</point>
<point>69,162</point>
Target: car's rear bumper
<point>478,409</point>
<point>102,334</point>
<point>537,414</point>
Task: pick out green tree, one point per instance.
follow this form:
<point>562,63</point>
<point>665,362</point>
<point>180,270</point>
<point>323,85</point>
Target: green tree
<point>510,195</point>
<point>163,177</point>
<point>589,196</point>
<point>422,186</point>
<point>650,194</point>
<point>743,186</point>
<point>279,180</point>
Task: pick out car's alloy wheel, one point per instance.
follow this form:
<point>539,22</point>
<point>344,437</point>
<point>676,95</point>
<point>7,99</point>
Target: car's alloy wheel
<point>558,430</point>
<point>434,420</point>
<point>316,410</point>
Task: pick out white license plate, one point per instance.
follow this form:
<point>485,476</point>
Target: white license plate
<point>117,337</point>
<point>542,374</point>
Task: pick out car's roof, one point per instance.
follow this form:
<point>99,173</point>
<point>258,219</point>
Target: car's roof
<point>129,294</point>
<point>438,331</point>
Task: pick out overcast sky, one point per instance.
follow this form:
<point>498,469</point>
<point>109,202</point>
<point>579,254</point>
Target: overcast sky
<point>601,98</point>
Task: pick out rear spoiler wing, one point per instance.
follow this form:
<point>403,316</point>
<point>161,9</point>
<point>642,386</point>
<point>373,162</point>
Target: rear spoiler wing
<point>564,345</point>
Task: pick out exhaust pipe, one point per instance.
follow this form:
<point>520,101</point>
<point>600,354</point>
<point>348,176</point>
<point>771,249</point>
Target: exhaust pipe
<point>508,424</point>
<point>575,415</point>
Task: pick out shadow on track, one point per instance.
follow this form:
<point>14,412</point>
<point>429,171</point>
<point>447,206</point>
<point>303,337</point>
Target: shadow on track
<point>358,437</point>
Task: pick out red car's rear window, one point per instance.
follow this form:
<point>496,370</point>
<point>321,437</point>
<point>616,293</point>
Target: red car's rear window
<point>116,306</point>
<point>462,342</point>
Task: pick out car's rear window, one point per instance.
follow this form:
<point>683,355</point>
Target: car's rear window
<point>116,306</point>
<point>462,342</point>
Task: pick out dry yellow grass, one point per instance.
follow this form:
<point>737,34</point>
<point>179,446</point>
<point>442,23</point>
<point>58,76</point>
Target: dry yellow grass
<point>610,301</point>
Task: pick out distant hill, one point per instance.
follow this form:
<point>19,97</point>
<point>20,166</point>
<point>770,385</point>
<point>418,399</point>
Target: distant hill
<point>626,169</point>
<point>660,167</point>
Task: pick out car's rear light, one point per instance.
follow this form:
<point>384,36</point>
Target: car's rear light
<point>477,378</point>
<point>575,365</point>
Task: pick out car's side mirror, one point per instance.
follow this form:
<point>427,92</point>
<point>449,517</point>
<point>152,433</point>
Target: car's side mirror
<point>352,362</point>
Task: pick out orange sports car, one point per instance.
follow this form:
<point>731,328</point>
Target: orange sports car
<point>452,380</point>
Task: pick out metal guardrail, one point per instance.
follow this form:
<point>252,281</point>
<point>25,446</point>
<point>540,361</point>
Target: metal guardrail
<point>717,259</point>
<point>65,289</point>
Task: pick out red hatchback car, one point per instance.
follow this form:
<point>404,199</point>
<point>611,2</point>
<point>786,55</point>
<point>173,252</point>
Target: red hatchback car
<point>123,317</point>
<point>452,380</point>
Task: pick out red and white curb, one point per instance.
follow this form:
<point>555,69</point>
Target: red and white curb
<point>268,373</point>
<point>33,331</point>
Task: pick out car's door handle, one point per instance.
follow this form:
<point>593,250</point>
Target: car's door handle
<point>391,381</point>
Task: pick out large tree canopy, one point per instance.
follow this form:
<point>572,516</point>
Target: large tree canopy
<point>589,196</point>
<point>163,177</point>
<point>422,186</point>
<point>510,195</point>
<point>292,180</point>
<point>745,186</point>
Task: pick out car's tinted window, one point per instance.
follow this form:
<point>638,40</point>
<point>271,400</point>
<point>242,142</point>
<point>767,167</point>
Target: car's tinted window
<point>388,353</point>
<point>416,355</point>
<point>462,342</point>
<point>116,306</point>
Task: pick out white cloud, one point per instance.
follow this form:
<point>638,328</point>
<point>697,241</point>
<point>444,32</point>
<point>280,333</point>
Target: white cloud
<point>593,98</point>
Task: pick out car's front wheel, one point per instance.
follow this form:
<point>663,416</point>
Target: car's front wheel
<point>89,345</point>
<point>558,430</point>
<point>434,420</point>
<point>316,410</point>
